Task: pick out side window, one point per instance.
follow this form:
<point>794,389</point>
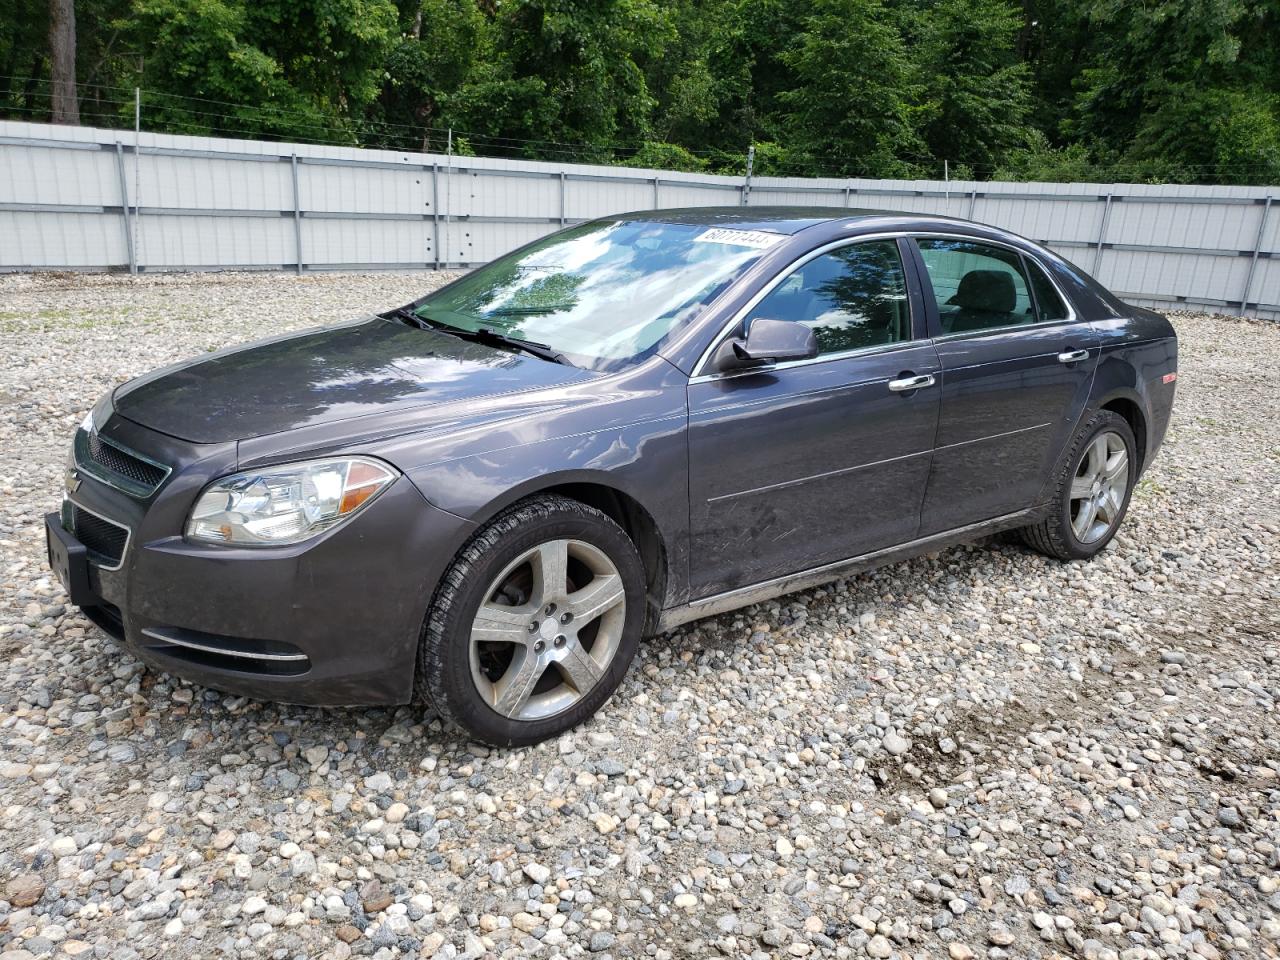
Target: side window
<point>1048,300</point>
<point>977,287</point>
<point>854,297</point>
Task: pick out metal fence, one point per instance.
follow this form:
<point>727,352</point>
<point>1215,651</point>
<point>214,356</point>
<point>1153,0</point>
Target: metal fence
<point>75,198</point>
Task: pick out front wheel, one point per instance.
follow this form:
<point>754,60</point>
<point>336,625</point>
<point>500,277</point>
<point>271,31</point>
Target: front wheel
<point>1094,483</point>
<point>534,624</point>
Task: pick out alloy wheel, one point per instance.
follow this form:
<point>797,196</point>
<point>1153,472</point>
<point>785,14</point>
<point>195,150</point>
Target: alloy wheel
<point>547,629</point>
<point>1099,488</point>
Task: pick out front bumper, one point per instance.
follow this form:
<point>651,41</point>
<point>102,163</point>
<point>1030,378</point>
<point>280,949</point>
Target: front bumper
<point>333,621</point>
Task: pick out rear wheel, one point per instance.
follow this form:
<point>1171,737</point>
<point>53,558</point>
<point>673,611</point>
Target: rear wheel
<point>1094,484</point>
<point>534,623</point>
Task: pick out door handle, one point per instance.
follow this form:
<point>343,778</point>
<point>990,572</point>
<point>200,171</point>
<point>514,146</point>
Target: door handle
<point>1073,356</point>
<point>911,383</point>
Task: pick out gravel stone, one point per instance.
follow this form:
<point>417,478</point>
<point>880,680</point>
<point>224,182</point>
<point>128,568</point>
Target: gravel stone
<point>1230,817</point>
<point>537,872</point>
<point>397,812</point>
<point>878,946</point>
<point>25,891</point>
<point>602,940</point>
<point>975,752</point>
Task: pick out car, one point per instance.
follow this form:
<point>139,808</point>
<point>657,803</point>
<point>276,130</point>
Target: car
<point>486,498</point>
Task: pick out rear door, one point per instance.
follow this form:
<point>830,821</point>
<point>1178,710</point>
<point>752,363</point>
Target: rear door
<point>814,461</point>
<point>1017,365</point>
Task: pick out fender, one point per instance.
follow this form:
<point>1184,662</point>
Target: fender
<point>477,488</point>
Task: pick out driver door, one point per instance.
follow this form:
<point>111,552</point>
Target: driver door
<point>813,461</point>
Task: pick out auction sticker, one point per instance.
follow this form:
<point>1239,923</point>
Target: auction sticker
<point>740,238</point>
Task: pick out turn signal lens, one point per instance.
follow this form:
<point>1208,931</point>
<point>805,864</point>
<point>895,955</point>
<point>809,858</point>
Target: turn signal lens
<point>287,503</point>
<point>363,481</point>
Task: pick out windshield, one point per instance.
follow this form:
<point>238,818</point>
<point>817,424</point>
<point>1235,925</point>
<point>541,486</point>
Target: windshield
<point>604,294</point>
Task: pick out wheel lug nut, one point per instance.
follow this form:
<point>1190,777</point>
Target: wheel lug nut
<point>566,617</point>
<point>551,608</point>
<point>560,641</point>
<point>539,646</point>
<point>533,627</point>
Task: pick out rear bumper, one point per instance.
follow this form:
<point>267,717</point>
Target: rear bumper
<point>334,621</point>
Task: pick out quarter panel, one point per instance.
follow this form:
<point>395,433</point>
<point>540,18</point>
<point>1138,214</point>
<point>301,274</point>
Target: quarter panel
<point>1137,353</point>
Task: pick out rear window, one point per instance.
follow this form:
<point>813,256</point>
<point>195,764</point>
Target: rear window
<point>1049,303</point>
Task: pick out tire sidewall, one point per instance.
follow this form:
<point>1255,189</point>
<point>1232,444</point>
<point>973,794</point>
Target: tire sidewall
<point>1107,422</point>
<point>464,701</point>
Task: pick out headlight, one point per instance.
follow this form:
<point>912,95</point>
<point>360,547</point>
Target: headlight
<point>286,503</point>
<point>98,414</point>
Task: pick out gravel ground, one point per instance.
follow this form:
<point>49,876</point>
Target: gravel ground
<point>977,753</point>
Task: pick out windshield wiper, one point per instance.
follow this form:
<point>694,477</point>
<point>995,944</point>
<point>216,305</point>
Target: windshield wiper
<point>527,311</point>
<point>483,335</point>
<point>531,347</point>
<point>404,313</point>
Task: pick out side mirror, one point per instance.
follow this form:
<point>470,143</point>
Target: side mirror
<point>767,342</point>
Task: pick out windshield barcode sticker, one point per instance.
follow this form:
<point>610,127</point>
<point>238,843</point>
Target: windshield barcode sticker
<point>739,238</point>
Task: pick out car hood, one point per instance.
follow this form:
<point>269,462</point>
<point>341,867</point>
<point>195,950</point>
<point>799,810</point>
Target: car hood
<point>368,367</point>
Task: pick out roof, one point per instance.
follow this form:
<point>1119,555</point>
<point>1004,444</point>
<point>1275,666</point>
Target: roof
<point>786,220</point>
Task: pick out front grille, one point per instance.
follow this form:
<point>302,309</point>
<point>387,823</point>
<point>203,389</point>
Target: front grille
<point>104,539</point>
<point>118,461</point>
<point>120,467</point>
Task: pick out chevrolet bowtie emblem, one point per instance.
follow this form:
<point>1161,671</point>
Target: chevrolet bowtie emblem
<point>73,480</point>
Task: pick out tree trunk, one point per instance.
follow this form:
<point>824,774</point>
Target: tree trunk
<point>62,59</point>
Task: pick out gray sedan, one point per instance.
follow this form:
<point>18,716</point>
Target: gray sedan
<point>487,497</point>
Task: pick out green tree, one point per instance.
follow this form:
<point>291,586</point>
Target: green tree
<point>665,156</point>
<point>1039,160</point>
<point>1166,79</point>
<point>850,112</point>
<point>1166,90</point>
<point>587,58</point>
<point>686,87</point>
<point>747,53</point>
<point>25,61</point>
<point>288,68</point>
<point>442,45</point>
<point>974,91</point>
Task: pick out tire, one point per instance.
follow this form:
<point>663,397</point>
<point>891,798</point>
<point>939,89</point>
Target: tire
<point>1059,534</point>
<point>476,666</point>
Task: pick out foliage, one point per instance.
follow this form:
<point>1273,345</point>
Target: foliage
<point>1166,90</point>
<point>665,156</point>
<point>1039,160</point>
<point>850,108</point>
<point>291,68</point>
<point>975,93</point>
